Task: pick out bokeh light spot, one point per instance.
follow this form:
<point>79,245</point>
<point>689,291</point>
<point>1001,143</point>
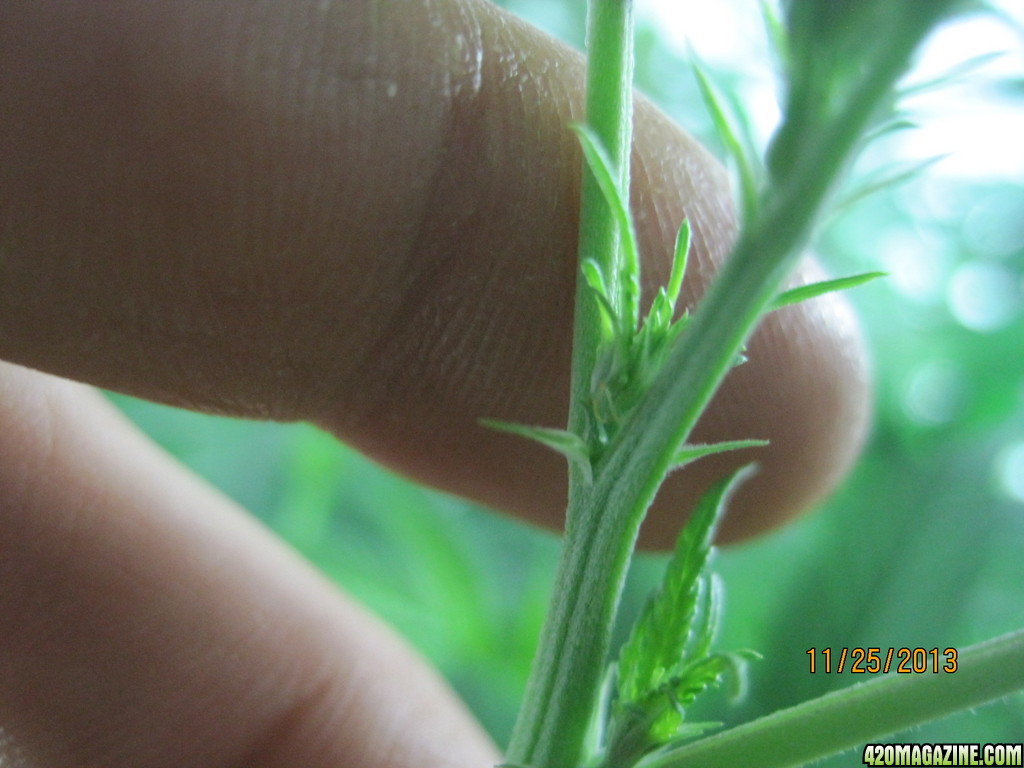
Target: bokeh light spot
<point>1010,469</point>
<point>935,393</point>
<point>984,296</point>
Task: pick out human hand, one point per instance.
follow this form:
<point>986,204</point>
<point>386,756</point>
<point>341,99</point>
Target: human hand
<point>360,214</point>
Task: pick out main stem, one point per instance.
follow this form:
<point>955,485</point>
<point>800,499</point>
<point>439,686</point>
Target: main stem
<point>609,108</point>
<point>565,679</point>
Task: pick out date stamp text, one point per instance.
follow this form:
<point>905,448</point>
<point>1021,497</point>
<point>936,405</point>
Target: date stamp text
<point>872,661</point>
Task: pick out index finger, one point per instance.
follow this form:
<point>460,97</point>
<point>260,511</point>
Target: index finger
<point>361,214</point>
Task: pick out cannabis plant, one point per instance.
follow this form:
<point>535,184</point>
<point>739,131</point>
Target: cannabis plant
<point>640,381</point>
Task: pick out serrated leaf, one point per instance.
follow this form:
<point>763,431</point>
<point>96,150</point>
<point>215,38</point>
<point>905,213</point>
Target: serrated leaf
<point>659,721</point>
<point>657,643</point>
<point>690,453</point>
<point>667,660</point>
<point>569,444</point>
<point>605,174</point>
<point>711,670</point>
<point>710,599</point>
<point>812,291</point>
<point>696,678</point>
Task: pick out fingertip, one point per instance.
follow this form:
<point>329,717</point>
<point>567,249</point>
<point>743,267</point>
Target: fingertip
<point>806,389</point>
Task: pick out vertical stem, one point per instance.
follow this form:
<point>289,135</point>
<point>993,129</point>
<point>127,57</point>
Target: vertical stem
<point>566,676</point>
<point>610,117</point>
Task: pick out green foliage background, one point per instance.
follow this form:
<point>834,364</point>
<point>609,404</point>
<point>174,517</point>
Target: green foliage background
<point>921,547</point>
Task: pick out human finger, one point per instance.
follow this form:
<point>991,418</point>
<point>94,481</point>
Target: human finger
<point>361,214</point>
<point>148,623</point>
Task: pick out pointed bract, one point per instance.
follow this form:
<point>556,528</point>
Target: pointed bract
<point>680,258</point>
<point>812,291</point>
<point>570,445</point>
<point>729,132</point>
<point>690,453</point>
<point>887,178</point>
<point>605,174</point>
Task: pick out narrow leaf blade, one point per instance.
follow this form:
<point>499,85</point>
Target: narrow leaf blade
<point>955,74</point>
<point>594,277</point>
<point>812,291</point>
<point>679,262</point>
<point>569,444</point>
<point>690,453</point>
<point>889,178</point>
<point>729,133</point>
<point>605,174</point>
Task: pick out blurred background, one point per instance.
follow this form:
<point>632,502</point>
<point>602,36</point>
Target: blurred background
<point>924,543</point>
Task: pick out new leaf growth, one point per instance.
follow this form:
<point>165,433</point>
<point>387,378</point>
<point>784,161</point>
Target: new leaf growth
<point>668,660</point>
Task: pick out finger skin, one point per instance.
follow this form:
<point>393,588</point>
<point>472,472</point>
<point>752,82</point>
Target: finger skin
<point>362,214</point>
<point>147,622</point>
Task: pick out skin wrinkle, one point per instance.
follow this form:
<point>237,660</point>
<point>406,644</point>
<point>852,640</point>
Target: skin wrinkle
<point>195,189</point>
<point>533,79</point>
<point>471,374</point>
<point>461,156</point>
<point>397,298</point>
<point>269,214</point>
<point>409,325</point>
<point>285,213</point>
<point>289,727</point>
<point>419,348</point>
<point>448,427</point>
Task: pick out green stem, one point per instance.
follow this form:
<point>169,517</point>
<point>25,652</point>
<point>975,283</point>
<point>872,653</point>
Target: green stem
<point>861,713</point>
<point>568,670</point>
<point>609,92</point>
<point>610,117</point>
<point>604,515</point>
<point>566,676</point>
